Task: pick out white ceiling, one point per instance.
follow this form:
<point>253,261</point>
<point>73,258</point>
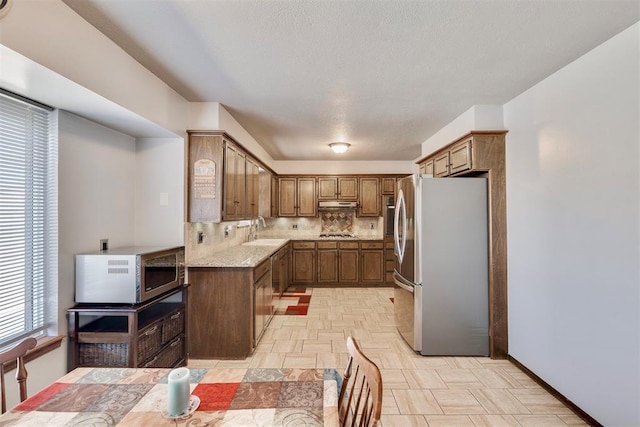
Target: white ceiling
<point>382,75</point>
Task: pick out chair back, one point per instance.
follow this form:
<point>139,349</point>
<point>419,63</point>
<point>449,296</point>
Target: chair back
<point>360,401</point>
<point>16,353</point>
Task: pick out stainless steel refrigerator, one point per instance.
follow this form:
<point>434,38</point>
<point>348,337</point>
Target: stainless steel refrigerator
<point>441,293</point>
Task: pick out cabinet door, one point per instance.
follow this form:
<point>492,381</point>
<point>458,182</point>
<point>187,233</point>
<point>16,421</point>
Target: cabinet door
<point>265,192</point>
<point>307,203</point>
<point>252,183</point>
<point>441,165</point>
<point>229,181</point>
<point>327,266</point>
<point>369,197</point>
<point>373,266</point>
<point>287,196</point>
<point>241,185</point>
<point>327,188</point>
<point>348,188</point>
<point>258,311</point>
<point>388,185</point>
<point>303,266</point>
<point>205,166</point>
<point>348,266</point>
<point>274,197</point>
<point>460,157</point>
<point>428,167</point>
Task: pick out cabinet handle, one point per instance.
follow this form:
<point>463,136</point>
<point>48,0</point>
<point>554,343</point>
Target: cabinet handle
<point>176,342</point>
<point>175,316</point>
<point>150,331</point>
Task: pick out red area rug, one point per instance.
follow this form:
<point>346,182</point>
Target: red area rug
<point>294,301</point>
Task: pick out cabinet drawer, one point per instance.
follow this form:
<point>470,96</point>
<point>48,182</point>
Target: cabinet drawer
<point>371,245</point>
<point>261,270</point>
<point>149,341</point>
<point>173,326</point>
<point>170,355</point>
<point>348,245</point>
<point>327,245</point>
<point>304,245</point>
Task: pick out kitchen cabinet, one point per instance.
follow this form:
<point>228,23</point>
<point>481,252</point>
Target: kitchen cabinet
<point>348,262</point>
<point>372,254</point>
<point>303,262</point>
<point>225,182</point>
<point>262,300</point>
<point>265,193</point>
<point>297,196</point>
<point>274,197</point>
<point>205,166</point>
<point>280,262</point>
<point>234,183</point>
<point>389,260</point>
<point>229,309</point>
<point>345,262</point>
<point>388,185</point>
<point>337,188</point>
<point>253,188</point>
<point>369,199</point>
<point>150,334</point>
<point>327,262</point>
<point>482,153</point>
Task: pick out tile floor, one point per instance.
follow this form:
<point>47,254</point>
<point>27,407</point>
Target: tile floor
<point>418,391</point>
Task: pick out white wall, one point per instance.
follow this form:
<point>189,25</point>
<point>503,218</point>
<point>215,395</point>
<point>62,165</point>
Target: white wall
<point>159,184</point>
<point>343,167</point>
<point>478,117</point>
<point>573,201</point>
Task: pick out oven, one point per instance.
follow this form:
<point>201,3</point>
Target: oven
<point>388,214</point>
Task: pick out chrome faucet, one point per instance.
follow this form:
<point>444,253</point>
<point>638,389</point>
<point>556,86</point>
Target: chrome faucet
<point>264,224</point>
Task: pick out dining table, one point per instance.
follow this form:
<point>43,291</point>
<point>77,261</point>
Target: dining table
<point>219,397</point>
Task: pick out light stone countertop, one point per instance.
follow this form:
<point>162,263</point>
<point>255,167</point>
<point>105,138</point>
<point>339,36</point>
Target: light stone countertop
<point>250,255</point>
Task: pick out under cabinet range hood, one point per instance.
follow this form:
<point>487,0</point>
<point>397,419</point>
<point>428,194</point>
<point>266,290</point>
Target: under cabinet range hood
<point>336,204</point>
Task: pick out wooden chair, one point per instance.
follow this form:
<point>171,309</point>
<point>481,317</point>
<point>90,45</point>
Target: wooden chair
<point>360,401</point>
<point>16,353</point>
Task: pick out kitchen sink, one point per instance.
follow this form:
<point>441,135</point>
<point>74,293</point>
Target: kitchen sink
<point>266,242</point>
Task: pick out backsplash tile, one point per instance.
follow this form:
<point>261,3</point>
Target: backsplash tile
<point>336,222</point>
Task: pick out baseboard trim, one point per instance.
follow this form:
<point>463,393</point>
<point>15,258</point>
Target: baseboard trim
<point>575,408</point>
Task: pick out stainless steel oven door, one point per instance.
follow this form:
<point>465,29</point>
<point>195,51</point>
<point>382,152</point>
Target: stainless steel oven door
<point>407,306</point>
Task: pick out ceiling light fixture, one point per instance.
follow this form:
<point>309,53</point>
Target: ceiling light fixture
<point>339,147</point>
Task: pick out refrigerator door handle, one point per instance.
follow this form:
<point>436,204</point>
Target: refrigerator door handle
<point>399,247</point>
<point>401,285</point>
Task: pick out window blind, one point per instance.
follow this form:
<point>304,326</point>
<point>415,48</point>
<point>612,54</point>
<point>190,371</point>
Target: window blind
<point>28,217</point>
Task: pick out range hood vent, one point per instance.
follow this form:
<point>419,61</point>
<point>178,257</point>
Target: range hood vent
<point>336,204</point>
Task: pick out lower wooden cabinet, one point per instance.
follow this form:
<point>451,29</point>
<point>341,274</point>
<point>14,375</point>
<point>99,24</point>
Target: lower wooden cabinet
<point>303,263</point>
<point>337,262</point>
<point>229,309</point>
<point>150,334</point>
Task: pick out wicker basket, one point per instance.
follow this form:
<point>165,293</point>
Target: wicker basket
<point>169,356</point>
<point>103,354</point>
<point>173,326</point>
<point>149,341</point>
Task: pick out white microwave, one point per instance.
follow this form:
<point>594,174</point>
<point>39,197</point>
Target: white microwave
<point>128,275</point>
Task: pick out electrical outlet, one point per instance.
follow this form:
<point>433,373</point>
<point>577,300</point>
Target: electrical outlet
<point>294,226</point>
<point>200,237</point>
<point>104,244</point>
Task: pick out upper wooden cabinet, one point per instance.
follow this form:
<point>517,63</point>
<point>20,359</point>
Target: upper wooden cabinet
<point>337,188</point>
<point>468,153</point>
<point>388,185</point>
<point>253,188</point>
<point>224,181</point>
<point>204,182</point>
<point>297,196</point>
<point>369,200</point>
<point>234,183</point>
